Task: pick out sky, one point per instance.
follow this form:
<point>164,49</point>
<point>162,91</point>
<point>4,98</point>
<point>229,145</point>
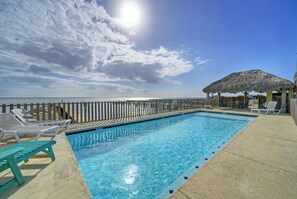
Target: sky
<point>140,48</point>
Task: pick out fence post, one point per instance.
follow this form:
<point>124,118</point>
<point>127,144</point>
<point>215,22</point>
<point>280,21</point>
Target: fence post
<point>3,108</point>
<point>85,111</point>
<point>143,108</point>
<point>80,105</point>
<point>31,109</point>
<point>54,111</point>
<point>105,112</point>
<point>37,112</point>
<point>49,111</point>
<point>127,109</point>
<point>122,108</point>
<point>10,107</point>
<point>117,109</point>
<point>59,111</point>
<point>99,111</point>
<point>64,110</point>
<point>92,111</point>
<point>76,112</point>
<point>89,111</point>
<point>43,111</point>
<point>113,105</point>
<point>109,110</point>
<point>68,111</point>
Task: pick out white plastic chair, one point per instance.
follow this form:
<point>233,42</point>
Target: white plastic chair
<point>27,119</point>
<point>9,124</point>
<point>270,108</point>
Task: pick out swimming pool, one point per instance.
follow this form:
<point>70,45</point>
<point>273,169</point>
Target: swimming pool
<point>151,159</point>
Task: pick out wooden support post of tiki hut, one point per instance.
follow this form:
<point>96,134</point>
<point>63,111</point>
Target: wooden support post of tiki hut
<point>219,95</point>
<point>245,99</point>
<point>291,90</point>
<point>284,101</point>
<point>207,95</point>
<point>269,96</point>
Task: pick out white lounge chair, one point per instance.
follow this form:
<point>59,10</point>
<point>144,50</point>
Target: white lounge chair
<point>270,108</point>
<point>9,124</point>
<point>27,119</point>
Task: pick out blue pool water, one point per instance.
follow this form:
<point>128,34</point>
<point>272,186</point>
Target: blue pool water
<point>151,159</point>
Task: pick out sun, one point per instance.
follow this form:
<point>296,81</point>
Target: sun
<point>131,14</point>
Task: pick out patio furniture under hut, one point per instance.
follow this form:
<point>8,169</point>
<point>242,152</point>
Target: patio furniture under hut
<point>252,80</point>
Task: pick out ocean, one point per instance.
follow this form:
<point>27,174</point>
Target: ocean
<point>40,100</point>
<point>34,100</point>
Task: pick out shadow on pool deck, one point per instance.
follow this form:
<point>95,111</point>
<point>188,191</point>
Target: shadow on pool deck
<point>46,179</point>
<point>259,163</point>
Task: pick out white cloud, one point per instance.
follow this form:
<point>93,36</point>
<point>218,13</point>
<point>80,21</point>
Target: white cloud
<point>200,61</point>
<point>79,39</point>
<point>60,87</point>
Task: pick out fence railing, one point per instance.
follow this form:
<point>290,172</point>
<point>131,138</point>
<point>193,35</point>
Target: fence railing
<point>293,109</point>
<point>81,112</point>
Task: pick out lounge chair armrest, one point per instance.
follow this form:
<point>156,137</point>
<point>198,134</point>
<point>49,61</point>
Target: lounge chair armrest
<point>51,129</point>
<point>56,122</point>
<point>62,124</point>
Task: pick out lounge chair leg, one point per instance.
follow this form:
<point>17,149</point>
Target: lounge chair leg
<point>17,137</point>
<point>38,136</point>
<point>50,152</point>
<point>16,170</point>
<point>57,132</point>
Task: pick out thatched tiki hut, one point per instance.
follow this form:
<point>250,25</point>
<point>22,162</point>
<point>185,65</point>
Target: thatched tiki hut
<point>252,80</point>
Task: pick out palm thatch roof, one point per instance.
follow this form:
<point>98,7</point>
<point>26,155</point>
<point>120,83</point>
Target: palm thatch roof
<point>252,80</point>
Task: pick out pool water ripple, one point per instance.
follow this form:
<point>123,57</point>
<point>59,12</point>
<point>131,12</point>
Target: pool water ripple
<point>147,159</point>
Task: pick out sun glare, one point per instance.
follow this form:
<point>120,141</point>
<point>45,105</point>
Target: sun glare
<point>130,13</point>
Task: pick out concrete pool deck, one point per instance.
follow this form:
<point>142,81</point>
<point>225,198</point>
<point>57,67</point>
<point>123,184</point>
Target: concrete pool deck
<point>259,163</point>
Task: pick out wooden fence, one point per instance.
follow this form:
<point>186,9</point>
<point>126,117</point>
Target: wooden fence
<point>293,109</point>
<point>81,112</point>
